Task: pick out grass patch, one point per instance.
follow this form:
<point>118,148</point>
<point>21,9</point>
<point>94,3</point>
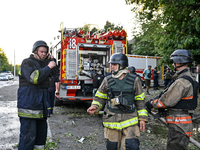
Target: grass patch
<point>50,145</point>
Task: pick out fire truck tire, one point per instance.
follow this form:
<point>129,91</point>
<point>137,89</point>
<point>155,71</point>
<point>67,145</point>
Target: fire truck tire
<point>57,102</point>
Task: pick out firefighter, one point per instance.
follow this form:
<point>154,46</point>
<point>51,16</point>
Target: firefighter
<point>32,97</point>
<point>167,77</point>
<point>123,97</point>
<point>131,69</point>
<point>178,99</point>
<point>155,78</point>
<point>52,94</point>
<point>97,80</point>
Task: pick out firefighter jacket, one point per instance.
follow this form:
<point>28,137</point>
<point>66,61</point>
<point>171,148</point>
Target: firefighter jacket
<point>180,90</point>
<point>118,121</point>
<point>33,88</point>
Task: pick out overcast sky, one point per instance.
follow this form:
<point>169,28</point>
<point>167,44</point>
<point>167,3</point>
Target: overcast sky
<point>25,21</point>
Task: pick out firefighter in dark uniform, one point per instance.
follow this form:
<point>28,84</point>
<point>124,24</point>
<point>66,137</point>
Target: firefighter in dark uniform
<point>131,69</point>
<point>32,96</point>
<point>123,96</point>
<point>97,80</point>
<point>178,99</point>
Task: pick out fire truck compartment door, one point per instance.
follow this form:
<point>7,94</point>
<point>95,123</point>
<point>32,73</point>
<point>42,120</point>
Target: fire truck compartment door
<point>118,47</point>
<point>71,63</point>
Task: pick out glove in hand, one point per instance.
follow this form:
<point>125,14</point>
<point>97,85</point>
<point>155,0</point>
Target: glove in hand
<point>149,106</point>
<point>55,71</point>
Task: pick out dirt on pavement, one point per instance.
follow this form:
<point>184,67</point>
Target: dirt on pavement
<point>74,129</point>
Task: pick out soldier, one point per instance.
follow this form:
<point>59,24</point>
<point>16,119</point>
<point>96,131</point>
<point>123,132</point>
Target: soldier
<point>180,97</point>
<point>123,96</point>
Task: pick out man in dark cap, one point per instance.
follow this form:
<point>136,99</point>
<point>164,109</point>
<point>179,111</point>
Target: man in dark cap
<point>155,78</point>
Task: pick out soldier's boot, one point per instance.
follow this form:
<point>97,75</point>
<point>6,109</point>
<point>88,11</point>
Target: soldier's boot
<point>111,145</point>
<point>132,144</point>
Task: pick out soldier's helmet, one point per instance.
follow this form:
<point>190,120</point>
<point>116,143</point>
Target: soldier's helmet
<point>182,56</point>
<point>38,44</point>
<point>120,59</point>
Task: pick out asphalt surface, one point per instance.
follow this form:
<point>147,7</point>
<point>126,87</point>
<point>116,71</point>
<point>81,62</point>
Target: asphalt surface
<point>9,121</point>
<point>70,124</point>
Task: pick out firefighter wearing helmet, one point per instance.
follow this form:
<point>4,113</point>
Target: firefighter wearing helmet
<point>123,96</point>
<point>177,100</point>
<point>32,97</point>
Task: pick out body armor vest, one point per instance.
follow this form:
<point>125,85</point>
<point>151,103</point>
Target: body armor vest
<point>124,87</point>
<point>190,103</point>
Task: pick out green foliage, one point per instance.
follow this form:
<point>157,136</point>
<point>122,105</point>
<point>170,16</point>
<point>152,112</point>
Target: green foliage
<point>112,26</point>
<point>107,27</point>
<point>50,145</point>
<point>3,61</point>
<point>4,65</point>
<point>167,25</point>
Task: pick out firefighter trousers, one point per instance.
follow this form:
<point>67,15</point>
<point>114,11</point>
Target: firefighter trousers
<point>50,102</point>
<point>177,139</point>
<point>33,134</point>
<point>127,138</point>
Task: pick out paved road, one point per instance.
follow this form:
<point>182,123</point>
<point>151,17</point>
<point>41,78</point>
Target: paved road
<point>9,121</point>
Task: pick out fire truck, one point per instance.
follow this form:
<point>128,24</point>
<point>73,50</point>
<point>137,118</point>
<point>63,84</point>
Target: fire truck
<point>141,62</point>
<point>80,54</point>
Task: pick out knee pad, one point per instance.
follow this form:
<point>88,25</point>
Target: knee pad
<point>132,144</point>
<point>111,145</point>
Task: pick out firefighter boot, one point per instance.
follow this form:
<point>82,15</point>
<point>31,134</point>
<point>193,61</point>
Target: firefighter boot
<point>111,145</point>
<point>132,144</point>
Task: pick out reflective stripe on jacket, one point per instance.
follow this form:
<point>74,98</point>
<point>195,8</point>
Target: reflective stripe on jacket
<point>119,121</point>
<point>180,89</point>
<point>32,95</point>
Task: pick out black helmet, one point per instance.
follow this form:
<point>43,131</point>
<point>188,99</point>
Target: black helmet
<point>182,56</point>
<point>131,69</point>
<point>38,44</point>
<point>119,58</point>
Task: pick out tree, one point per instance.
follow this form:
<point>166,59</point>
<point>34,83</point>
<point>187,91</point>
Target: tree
<point>112,26</point>
<point>4,65</point>
<point>87,28</point>
<point>177,26</point>
<point>108,25</point>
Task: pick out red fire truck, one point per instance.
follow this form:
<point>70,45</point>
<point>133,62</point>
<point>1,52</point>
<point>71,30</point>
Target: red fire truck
<point>79,54</point>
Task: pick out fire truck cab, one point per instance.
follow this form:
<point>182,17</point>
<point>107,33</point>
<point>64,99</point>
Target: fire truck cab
<point>81,54</point>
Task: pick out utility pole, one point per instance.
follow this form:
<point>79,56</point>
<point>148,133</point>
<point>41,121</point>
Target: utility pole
<point>14,64</point>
